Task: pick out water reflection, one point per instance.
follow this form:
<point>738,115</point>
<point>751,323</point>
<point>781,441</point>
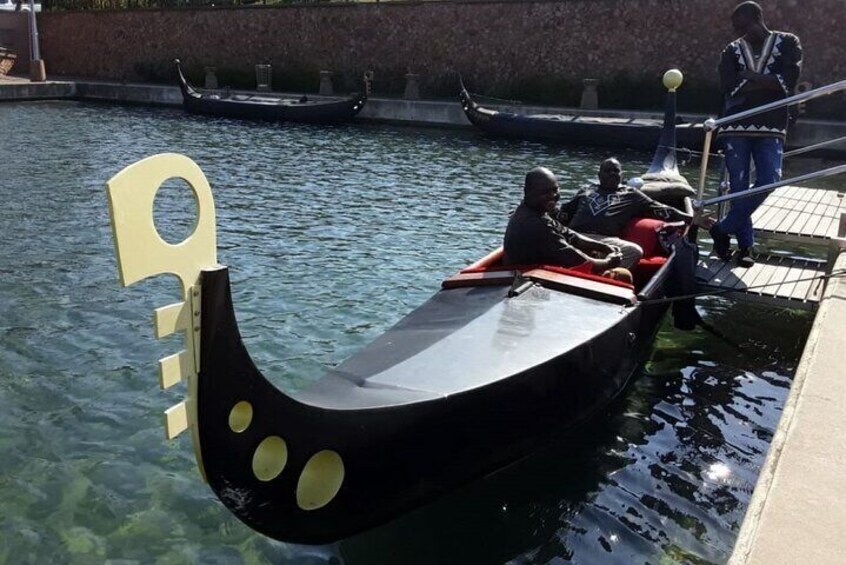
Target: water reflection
<point>332,235</point>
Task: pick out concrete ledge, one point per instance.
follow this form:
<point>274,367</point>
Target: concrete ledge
<point>416,112</point>
<point>13,89</point>
<point>147,94</point>
<point>440,113</point>
<point>797,511</point>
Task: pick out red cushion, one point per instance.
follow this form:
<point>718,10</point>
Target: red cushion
<point>644,232</point>
<point>493,262</point>
<point>650,262</point>
<point>492,259</point>
<point>583,271</point>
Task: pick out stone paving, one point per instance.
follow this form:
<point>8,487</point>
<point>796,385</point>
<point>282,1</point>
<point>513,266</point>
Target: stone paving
<point>797,512</point>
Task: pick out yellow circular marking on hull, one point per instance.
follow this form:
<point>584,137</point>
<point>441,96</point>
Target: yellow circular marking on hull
<point>320,480</point>
<point>270,458</point>
<point>241,416</point>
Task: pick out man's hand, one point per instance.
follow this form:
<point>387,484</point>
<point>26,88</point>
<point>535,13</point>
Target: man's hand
<point>705,221</point>
<point>759,81</point>
<point>603,250</point>
<point>609,262</point>
<point>615,259</point>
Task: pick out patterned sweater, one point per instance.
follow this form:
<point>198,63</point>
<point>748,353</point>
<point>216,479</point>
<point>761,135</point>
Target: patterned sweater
<point>781,56</point>
<point>594,210</point>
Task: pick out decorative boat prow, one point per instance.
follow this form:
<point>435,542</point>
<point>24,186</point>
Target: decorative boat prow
<point>665,160</point>
<point>142,253</point>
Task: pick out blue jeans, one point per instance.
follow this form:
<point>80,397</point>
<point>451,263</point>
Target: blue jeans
<point>766,152</point>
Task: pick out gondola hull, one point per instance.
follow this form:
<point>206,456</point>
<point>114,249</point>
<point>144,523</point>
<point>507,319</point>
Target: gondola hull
<point>595,131</point>
<point>402,446</point>
<point>276,110</point>
<point>264,107</point>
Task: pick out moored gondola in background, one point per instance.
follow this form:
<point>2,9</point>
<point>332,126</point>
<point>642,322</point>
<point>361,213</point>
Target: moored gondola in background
<point>502,358</point>
<point>577,129</point>
<point>268,107</point>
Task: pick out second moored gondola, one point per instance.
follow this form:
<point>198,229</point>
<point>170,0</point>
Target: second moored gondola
<point>577,129</point>
<point>267,107</point>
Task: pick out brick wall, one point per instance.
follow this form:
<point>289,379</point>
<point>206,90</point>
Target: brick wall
<point>502,48</point>
<point>14,36</point>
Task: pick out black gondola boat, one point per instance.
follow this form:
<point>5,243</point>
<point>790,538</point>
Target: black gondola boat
<point>493,365</point>
<point>272,108</point>
<point>577,129</point>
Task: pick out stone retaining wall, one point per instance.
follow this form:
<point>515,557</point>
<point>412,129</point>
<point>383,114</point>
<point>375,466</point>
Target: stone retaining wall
<point>533,49</point>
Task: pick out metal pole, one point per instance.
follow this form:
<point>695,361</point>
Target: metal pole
<point>770,187</point>
<point>35,54</point>
<point>706,150</point>
<point>808,148</point>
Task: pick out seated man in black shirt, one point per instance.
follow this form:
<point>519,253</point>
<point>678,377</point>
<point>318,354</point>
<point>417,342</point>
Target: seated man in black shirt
<point>533,236</point>
<point>603,212</point>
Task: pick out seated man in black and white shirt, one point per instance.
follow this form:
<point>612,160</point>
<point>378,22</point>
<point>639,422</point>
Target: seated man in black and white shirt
<point>604,211</point>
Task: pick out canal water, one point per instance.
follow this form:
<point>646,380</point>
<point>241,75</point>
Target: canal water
<point>332,235</point>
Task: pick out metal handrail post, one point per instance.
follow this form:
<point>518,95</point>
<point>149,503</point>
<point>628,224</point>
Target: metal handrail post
<point>706,151</point>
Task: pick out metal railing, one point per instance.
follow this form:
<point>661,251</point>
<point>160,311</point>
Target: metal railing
<point>711,125</point>
<point>814,147</point>
<point>115,5</point>
<point>830,172</point>
<point>73,5</point>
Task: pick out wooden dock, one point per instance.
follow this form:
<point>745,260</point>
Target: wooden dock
<point>800,214</point>
<point>791,213</point>
<point>791,282</point>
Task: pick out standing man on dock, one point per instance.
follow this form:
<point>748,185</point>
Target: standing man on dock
<point>758,68</point>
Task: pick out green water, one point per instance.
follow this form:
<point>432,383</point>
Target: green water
<point>332,234</point>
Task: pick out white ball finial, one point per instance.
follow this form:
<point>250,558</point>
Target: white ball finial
<point>673,79</point>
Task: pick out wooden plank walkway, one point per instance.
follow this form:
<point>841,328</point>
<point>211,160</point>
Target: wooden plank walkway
<point>805,215</point>
<point>774,279</point>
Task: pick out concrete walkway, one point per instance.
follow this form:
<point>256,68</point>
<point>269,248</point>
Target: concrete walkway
<point>13,88</point>
<point>797,513</point>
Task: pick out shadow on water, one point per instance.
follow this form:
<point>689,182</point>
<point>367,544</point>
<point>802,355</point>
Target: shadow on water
<point>664,475</point>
